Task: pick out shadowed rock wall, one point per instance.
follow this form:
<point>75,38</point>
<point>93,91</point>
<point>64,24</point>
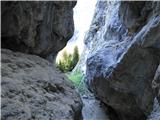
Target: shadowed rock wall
<point>41,28</point>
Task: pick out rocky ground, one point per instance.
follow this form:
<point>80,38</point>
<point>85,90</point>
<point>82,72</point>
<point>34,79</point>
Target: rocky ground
<point>33,89</point>
<point>92,109</point>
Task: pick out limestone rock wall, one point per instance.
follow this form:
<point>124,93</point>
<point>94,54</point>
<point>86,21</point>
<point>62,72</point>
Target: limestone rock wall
<point>123,46</point>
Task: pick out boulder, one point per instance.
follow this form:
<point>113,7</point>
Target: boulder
<point>33,89</point>
<point>37,27</point>
<point>123,56</point>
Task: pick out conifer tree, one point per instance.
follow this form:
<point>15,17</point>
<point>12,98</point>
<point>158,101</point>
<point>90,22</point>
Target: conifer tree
<point>75,56</point>
<point>68,61</point>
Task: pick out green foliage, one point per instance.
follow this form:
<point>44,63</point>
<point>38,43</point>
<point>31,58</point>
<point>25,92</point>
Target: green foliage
<point>78,80</point>
<point>75,56</point>
<point>75,77</point>
<point>60,65</point>
<point>68,61</point>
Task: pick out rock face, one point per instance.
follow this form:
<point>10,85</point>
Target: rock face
<point>41,28</point>
<point>123,46</point>
<point>33,89</point>
<point>156,83</point>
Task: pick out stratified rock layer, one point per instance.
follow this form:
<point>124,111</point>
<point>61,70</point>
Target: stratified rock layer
<point>123,46</point>
<point>37,27</point>
<point>33,89</point>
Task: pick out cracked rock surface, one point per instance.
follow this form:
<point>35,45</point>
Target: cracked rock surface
<point>33,89</point>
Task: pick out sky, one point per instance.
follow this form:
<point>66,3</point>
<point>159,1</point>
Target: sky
<point>83,14</point>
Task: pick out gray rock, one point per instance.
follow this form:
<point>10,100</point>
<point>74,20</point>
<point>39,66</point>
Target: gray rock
<point>156,83</point>
<point>133,14</point>
<point>123,55</point>
<point>37,27</point>
<point>33,89</point>
<point>91,41</point>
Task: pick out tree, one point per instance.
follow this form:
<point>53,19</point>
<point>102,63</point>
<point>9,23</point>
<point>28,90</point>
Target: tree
<point>61,65</point>
<point>65,61</point>
<point>75,56</point>
<point>68,61</point>
<point>65,55</point>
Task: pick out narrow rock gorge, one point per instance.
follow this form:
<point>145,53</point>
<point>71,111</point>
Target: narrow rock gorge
<point>121,60</point>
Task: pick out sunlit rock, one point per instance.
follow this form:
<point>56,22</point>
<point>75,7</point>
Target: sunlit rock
<point>123,55</point>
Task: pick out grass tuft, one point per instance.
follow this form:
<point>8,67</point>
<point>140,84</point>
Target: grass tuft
<point>78,80</point>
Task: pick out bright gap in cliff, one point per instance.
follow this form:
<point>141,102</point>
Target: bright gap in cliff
<point>83,13</point>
